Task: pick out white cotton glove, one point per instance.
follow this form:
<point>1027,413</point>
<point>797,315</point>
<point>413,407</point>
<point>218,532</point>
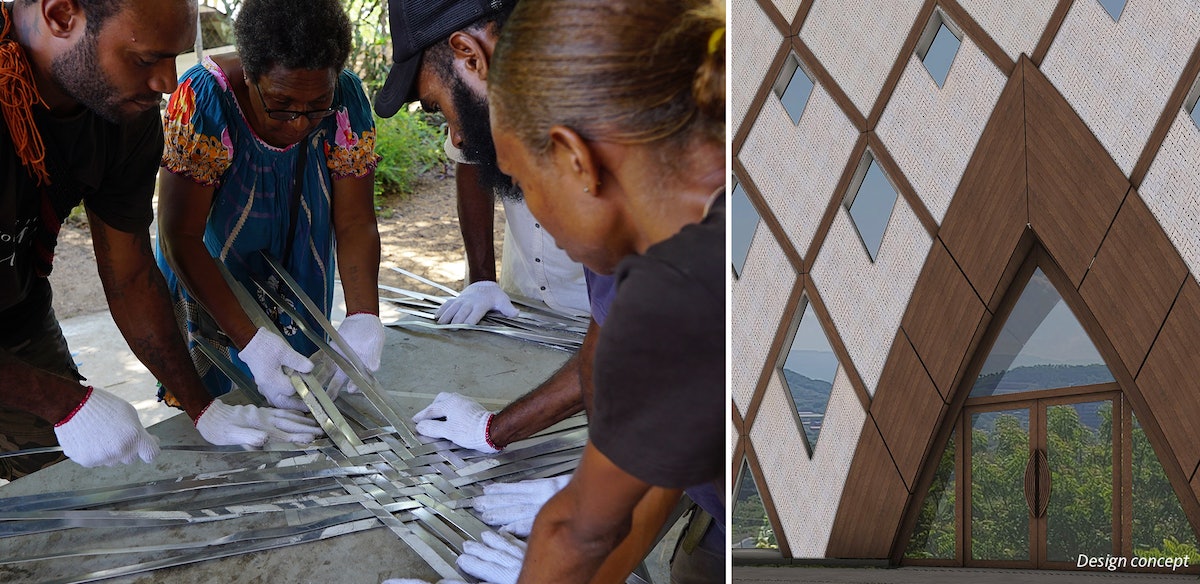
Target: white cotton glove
<point>497,559</point>
<point>266,355</point>
<point>364,333</point>
<point>515,505</point>
<point>104,430</point>
<point>474,303</point>
<point>223,424</point>
<point>458,419</point>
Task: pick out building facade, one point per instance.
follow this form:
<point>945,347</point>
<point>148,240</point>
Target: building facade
<point>966,316</point>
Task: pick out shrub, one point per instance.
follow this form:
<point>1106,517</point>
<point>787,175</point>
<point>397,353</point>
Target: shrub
<point>409,144</point>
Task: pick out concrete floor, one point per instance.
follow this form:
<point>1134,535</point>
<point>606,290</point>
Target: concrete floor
<point>923,575</point>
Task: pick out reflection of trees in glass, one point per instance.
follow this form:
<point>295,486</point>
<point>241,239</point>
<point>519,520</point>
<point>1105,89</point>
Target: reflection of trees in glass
<point>1079,516</point>
<point>1160,529</point>
<point>750,526</point>
<point>934,536</point>
<point>999,517</point>
<point>1032,377</point>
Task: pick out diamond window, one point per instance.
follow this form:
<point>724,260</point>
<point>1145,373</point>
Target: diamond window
<point>808,369</point>
<point>1190,104</point>
<point>751,525</point>
<point>793,88</point>
<point>870,202</point>
<point>745,222</point>
<point>1114,8</point>
<point>937,48</point>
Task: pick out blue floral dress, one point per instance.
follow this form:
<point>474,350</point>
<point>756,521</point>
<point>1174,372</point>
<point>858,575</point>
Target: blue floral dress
<point>209,141</point>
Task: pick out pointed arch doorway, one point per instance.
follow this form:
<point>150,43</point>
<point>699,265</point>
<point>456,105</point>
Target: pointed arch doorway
<point>1046,465</point>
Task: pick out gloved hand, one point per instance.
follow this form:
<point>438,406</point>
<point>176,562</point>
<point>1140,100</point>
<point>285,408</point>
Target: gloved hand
<point>515,505</point>
<point>364,333</point>
<point>223,424</point>
<point>104,430</point>
<point>474,303</point>
<point>458,419</point>
<point>497,559</point>
<point>266,354</point>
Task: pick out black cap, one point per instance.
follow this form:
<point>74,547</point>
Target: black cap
<point>416,25</point>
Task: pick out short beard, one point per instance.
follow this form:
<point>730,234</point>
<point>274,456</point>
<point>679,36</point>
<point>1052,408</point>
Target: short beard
<point>478,146</point>
<point>78,74</point>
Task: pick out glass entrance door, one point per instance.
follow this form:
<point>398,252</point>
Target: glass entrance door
<point>1041,480</point>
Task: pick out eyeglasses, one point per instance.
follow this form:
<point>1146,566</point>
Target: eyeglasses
<point>289,115</point>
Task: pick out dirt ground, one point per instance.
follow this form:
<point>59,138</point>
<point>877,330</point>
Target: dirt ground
<point>418,232</point>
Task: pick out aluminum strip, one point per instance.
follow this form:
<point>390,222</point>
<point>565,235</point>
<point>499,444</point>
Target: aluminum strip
<point>426,546</point>
<point>237,376</point>
<point>452,292</point>
<point>441,530</point>
<point>438,300</point>
<point>325,412</point>
<point>516,467</point>
<point>460,520</point>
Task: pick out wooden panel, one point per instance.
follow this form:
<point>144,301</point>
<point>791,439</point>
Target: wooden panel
<point>942,317</point>
<point>1133,281</point>
<point>1075,187</point>
<point>1167,380</point>
<point>988,213</point>
<point>872,502</point>
<point>907,408</point>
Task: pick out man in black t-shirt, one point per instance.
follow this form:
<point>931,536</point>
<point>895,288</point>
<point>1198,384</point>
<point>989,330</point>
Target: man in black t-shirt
<point>82,83</point>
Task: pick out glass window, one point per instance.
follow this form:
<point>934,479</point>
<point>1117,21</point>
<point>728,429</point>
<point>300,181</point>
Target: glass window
<point>1160,528</point>
<point>935,536</point>
<point>1114,8</point>
<point>1196,115</point>
<point>793,87</point>
<point>870,206</point>
<point>745,222</point>
<point>1042,346</point>
<point>751,526</point>
<point>940,55</point>
<point>808,371</point>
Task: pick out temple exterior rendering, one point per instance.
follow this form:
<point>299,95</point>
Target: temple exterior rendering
<point>965,310</point>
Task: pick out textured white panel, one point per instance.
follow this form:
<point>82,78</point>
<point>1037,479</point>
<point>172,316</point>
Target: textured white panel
<point>788,8</point>
<point>1172,189</point>
<point>1016,25</point>
<point>867,300</point>
<point>932,132</point>
<point>797,167</point>
<point>755,42</point>
<point>858,42</point>
<point>807,492</point>
<point>758,302</point>
<point>1118,75</point>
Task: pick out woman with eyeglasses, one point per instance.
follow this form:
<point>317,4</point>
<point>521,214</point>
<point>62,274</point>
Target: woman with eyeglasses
<point>271,150</point>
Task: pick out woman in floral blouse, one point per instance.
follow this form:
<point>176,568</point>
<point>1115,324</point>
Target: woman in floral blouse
<point>271,149</point>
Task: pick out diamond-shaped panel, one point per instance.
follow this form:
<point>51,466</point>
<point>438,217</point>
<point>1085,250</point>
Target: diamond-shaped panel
<point>808,366</point>
<point>1016,25</point>
<point>793,88</point>
<point>870,202</point>
<point>939,55</point>
<point>1172,189</point>
<point>750,528</point>
<point>745,221</point>
<point>1113,7</point>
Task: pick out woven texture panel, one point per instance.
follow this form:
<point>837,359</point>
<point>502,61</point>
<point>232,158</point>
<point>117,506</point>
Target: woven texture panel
<point>788,8</point>
<point>758,303</point>
<point>867,300</point>
<point>1117,75</point>
<point>806,492</point>
<point>796,168</point>
<point>755,40</point>
<point>931,132</point>
<point>1016,25</point>
<point>859,42</point>
<point>1172,189</point>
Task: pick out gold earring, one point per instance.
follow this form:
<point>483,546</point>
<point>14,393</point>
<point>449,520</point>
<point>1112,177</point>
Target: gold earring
<point>587,190</point>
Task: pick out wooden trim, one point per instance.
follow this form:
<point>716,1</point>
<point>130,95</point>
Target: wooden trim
<point>777,18</point>
<point>760,97</point>
<point>801,16</point>
<point>826,80</point>
<point>772,360</point>
<point>1046,394</point>
<point>739,453</point>
<point>981,38</point>
<point>1174,104</point>
<point>764,491</point>
<point>738,424</point>
<point>1052,27</point>
<point>906,50</point>
<point>835,201</point>
<point>767,215</point>
<point>900,181</point>
<point>835,342</point>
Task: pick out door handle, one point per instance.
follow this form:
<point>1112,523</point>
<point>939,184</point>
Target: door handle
<point>1037,483</point>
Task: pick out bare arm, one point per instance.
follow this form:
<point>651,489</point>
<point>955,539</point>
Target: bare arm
<point>138,299</point>
<point>556,399</point>
<point>476,220</point>
<point>580,526</point>
<point>648,518</point>
<point>41,393</point>
<point>183,207</point>
<point>357,235</point>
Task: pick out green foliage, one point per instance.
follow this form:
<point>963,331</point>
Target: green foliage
<point>751,528</point>
<point>934,536</point>
<point>409,144</point>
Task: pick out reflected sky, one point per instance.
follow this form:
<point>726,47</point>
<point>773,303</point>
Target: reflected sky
<point>745,220</point>
<point>941,54</point>
<point>872,208</point>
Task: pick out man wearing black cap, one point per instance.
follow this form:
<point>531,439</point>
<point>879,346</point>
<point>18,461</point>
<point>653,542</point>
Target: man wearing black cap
<point>442,51</point>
